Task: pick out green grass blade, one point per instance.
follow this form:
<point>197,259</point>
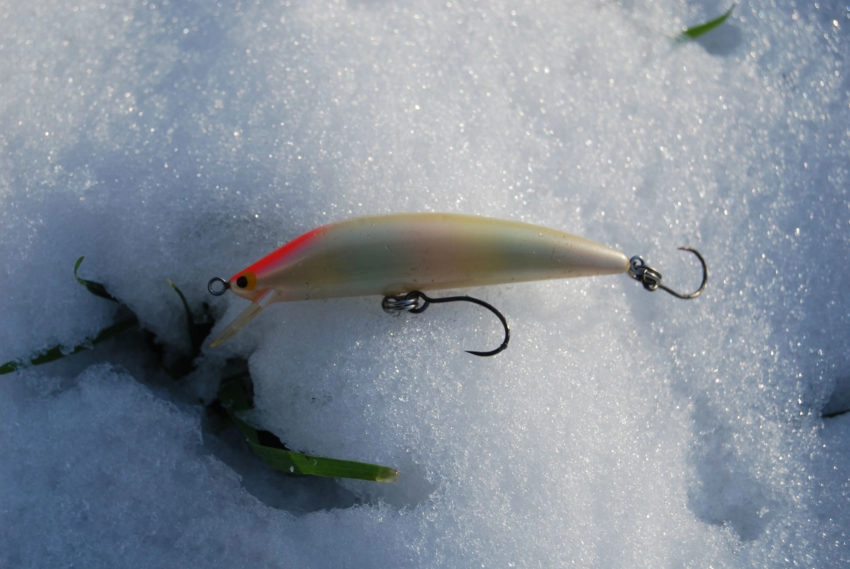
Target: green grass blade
<point>58,352</point>
<point>299,463</point>
<point>190,320</point>
<point>235,399</point>
<point>96,289</point>
<point>702,29</point>
<point>198,328</point>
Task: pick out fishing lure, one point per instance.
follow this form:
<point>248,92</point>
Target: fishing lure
<point>400,255</point>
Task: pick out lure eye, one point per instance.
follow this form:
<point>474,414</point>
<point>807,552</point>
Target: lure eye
<point>246,281</point>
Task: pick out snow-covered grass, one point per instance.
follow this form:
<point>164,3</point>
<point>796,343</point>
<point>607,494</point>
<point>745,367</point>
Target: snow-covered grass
<point>183,140</point>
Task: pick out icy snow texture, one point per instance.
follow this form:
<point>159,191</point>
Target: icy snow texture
<point>621,429</point>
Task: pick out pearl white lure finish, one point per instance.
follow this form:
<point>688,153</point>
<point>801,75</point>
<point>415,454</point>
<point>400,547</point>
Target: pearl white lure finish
<point>393,254</point>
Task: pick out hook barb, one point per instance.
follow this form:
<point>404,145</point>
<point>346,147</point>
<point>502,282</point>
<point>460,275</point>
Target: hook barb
<point>416,302</point>
<point>651,279</point>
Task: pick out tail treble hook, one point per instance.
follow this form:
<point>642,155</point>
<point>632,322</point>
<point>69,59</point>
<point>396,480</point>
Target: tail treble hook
<point>651,278</point>
<point>416,302</point>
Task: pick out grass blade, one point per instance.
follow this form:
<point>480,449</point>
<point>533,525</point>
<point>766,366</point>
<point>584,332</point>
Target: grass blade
<point>198,329</point>
<point>96,289</point>
<point>299,463</point>
<point>58,352</point>
<point>702,29</point>
<point>235,399</point>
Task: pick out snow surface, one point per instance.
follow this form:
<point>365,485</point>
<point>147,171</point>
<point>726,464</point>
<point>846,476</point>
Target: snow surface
<point>183,140</point>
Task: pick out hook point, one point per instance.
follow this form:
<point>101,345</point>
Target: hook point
<point>701,288</point>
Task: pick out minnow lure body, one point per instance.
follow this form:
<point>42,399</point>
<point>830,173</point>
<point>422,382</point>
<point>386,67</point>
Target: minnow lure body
<point>392,254</point>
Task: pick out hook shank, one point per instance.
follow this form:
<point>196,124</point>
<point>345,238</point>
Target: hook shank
<point>416,302</point>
